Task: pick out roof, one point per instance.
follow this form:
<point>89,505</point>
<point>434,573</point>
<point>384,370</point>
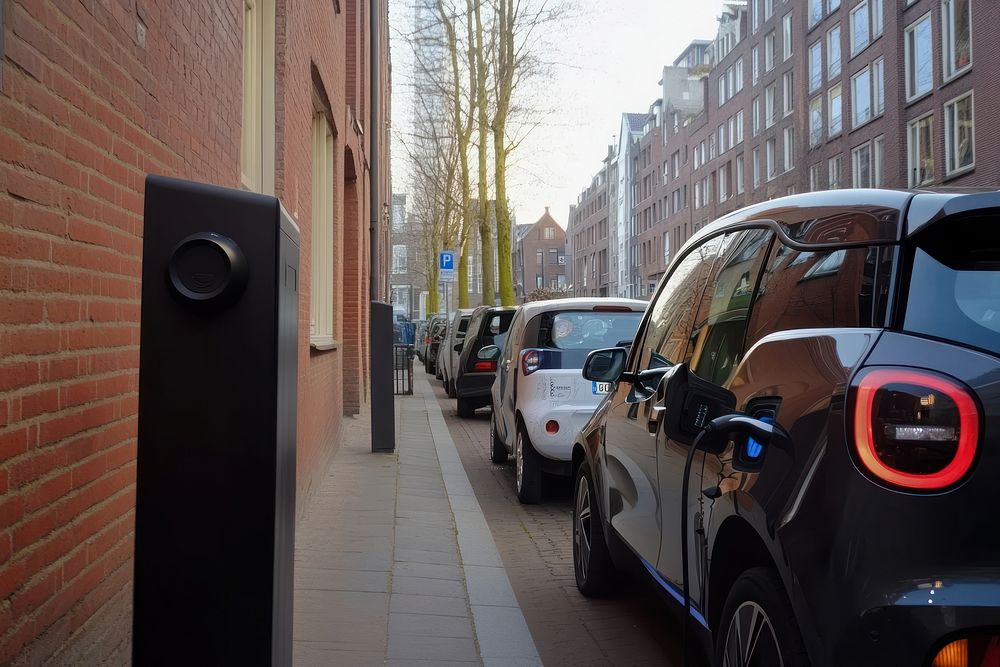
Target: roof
<point>580,303</point>
<point>636,121</point>
<point>520,231</point>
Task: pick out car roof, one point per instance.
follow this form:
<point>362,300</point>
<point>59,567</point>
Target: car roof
<point>533,308</point>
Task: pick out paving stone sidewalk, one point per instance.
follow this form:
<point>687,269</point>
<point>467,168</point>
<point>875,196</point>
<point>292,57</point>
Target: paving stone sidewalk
<point>394,561</point>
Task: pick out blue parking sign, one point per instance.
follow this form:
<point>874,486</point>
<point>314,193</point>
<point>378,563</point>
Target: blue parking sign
<point>447,260</point>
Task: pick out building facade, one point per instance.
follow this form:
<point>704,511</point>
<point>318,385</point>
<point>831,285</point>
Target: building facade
<point>806,95</point>
<point>539,257</point>
<point>271,96</point>
<point>587,237</point>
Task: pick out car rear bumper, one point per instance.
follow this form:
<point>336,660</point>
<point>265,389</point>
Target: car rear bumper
<point>556,446</point>
<point>475,385</point>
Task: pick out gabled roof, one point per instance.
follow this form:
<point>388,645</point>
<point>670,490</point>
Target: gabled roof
<point>520,231</point>
<point>636,121</point>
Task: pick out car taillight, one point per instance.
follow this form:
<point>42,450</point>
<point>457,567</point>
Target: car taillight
<point>484,366</point>
<point>552,427</point>
<point>427,339</point>
<point>612,309</point>
<point>981,650</point>
<point>914,429</point>
<point>531,361</point>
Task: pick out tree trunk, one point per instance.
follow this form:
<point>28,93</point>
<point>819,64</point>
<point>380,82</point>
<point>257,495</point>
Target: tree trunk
<point>502,91</point>
<point>485,220</point>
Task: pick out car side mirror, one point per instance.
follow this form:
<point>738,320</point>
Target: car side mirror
<point>489,353</point>
<point>605,365</point>
<point>689,404</point>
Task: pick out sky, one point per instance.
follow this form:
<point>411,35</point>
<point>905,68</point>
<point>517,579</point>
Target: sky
<point>608,59</point>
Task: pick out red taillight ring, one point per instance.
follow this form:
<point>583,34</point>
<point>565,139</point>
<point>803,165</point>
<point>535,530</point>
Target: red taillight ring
<point>864,436</point>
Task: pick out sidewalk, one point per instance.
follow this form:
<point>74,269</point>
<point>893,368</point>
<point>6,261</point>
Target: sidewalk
<point>394,561</point>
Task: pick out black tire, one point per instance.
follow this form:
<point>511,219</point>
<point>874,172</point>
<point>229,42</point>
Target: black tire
<point>527,469</point>
<point>498,451</point>
<point>760,590</point>
<point>592,564</point>
<point>465,408</point>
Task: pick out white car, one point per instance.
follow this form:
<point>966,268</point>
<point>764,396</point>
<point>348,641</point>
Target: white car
<point>448,355</point>
<point>540,399</point>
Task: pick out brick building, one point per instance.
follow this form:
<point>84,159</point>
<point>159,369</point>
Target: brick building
<point>818,94</point>
<point>272,96</point>
<point>539,256</point>
<point>587,236</point>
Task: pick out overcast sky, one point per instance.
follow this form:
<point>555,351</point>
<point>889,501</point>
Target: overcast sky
<point>609,60</point>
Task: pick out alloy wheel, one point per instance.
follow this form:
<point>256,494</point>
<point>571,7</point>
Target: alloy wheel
<point>582,527</point>
<point>750,639</point>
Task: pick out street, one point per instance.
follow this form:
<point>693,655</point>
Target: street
<point>631,627</point>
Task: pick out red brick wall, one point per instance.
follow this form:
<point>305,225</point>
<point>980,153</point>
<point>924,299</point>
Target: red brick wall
<point>87,108</point>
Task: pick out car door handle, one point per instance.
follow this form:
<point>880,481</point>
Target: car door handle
<point>653,421</point>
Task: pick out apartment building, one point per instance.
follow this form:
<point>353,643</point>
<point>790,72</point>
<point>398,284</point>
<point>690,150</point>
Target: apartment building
<point>587,236</point>
<point>539,257</point>
<point>802,95</point>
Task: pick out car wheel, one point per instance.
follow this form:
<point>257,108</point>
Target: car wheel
<point>592,562</point>
<point>527,469</point>
<point>758,626</point>
<point>465,408</point>
<point>498,451</point>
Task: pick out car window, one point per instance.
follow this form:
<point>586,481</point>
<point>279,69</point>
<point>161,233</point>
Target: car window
<point>804,290</point>
<point>514,335</point>
<point>586,330</point>
<point>720,325</point>
<point>665,339</point>
<point>496,327</point>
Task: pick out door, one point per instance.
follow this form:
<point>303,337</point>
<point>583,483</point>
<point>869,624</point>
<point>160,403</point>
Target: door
<point>502,401</point>
<point>713,348</point>
<point>633,492</point>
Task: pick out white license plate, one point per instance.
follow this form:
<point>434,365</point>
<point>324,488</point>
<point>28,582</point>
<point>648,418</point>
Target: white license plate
<point>601,387</point>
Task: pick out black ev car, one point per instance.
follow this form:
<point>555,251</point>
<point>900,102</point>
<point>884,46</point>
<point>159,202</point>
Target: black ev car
<point>802,445</point>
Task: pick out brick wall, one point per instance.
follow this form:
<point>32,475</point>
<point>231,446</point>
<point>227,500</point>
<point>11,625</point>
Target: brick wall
<point>94,95</point>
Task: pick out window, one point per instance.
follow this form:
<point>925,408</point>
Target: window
<point>768,9</point>
<point>755,108</point>
<point>769,159</point>
<point>733,134</point>
<point>756,167</point>
<point>959,143</point>
<point>722,139</point>
<point>738,179</point>
<point>815,121</point>
<point>722,89</point>
<point>755,14</point>
<point>251,144</point>
<point>815,176</point>
<point>861,166</point>
<point>738,139</point>
<point>878,161</point>
<point>321,321</point>
<point>769,110</point>
<point>834,5</point>
<point>919,70</point>
<point>836,167</point>
<point>861,96</point>
<point>859,28</point>
<point>755,64</point>
<point>738,69</point>
<point>539,257</point>
<point>806,290</point>
<point>815,12</point>
<point>956,28</point>
<point>723,184</point>
<point>668,333</point>
<point>716,343</point>
<point>697,194</point>
<point>553,256</point>
<point>548,233</point>
<point>833,51</point>
<point>769,51</point>
<point>789,146</point>
<point>786,35</point>
<point>836,120</point>
<point>787,92</point>
<point>878,85</point>
<point>398,258</point>
<point>815,66</point>
<point>539,281</point>
<point>919,151</point>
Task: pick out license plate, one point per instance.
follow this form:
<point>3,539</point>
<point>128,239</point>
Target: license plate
<point>601,387</point>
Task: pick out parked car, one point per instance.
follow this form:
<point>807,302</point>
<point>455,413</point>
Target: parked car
<point>436,327</point>
<point>451,349</point>
<point>539,397</point>
<point>474,376</point>
<point>802,442</point>
<point>420,341</point>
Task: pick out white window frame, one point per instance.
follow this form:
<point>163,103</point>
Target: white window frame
<point>756,116</point>
<point>768,9</point>
<point>835,121</point>
<point>913,150</point>
<point>723,185</point>
<point>755,64</point>
<point>948,46</point>
<point>878,160</point>
<point>739,128</point>
<point>814,16</point>
<point>769,53</point>
<point>770,159</point>
<point>835,166</point>
<point>909,39</point>
<point>722,88</point>
<point>322,294</point>
<point>770,105</point>
<point>788,146</point>
<point>756,167</point>
<point>815,65</point>
<point>878,87</point>
<point>857,47</point>
<point>814,176</point>
<point>951,132</point>
<point>738,73</point>
<point>832,42</point>
<point>857,120</point>
<point>857,164</point>
<point>738,184</point>
<point>816,131</point>
<point>786,36</point>
<point>399,258</point>
<point>787,93</point>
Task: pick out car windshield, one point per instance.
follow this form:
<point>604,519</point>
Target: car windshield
<point>587,330</point>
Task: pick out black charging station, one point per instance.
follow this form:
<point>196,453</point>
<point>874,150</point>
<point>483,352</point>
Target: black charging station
<point>215,495</point>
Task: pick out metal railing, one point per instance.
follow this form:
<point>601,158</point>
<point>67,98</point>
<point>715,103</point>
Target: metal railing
<point>402,364</point>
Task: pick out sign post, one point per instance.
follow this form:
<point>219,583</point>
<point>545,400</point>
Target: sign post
<point>446,271</point>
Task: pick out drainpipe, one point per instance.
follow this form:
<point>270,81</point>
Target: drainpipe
<point>373,145</point>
